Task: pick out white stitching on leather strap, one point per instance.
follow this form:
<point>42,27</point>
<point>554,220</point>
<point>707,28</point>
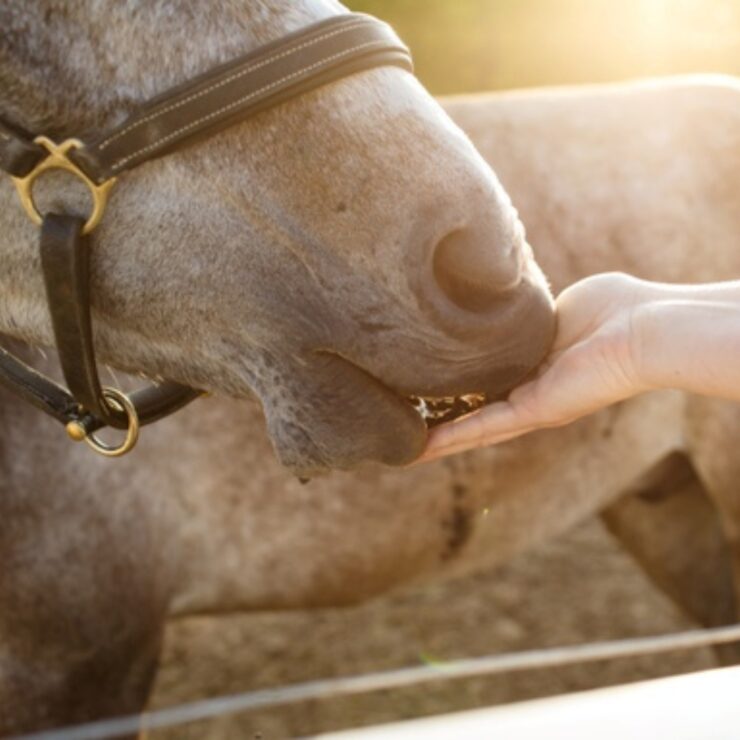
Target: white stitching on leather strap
<point>236,103</point>
<point>247,70</point>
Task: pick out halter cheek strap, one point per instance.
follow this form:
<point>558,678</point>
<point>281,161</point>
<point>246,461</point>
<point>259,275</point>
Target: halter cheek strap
<point>287,68</point>
<point>65,262</point>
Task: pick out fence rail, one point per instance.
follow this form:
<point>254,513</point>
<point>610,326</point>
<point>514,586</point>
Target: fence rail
<point>335,687</point>
<point>697,706</point>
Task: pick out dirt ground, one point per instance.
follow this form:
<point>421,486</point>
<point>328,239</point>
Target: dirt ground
<point>577,589</point>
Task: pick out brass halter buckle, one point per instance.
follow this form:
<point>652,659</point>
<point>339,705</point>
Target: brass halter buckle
<point>121,402</point>
<point>58,159</point>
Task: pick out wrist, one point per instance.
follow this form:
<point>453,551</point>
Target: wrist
<point>658,341</point>
<point>644,328</point>
<point>648,326</point>
<point>687,338</point>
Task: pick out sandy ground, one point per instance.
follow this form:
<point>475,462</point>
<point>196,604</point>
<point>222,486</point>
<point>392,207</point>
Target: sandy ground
<point>580,588</point>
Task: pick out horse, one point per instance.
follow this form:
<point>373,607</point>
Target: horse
<point>328,257</point>
<point>203,519</point>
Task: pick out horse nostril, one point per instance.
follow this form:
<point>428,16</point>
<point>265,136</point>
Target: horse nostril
<point>472,273</point>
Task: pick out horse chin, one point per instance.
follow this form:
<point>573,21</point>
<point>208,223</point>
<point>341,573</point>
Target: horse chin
<point>331,413</point>
<point>336,416</point>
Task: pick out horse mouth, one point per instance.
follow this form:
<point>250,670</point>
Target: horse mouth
<point>344,416</point>
<point>441,409</point>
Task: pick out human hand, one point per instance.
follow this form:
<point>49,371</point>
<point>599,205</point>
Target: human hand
<point>595,361</point>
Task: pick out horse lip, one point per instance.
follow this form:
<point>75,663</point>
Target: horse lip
<point>390,431</point>
<point>386,386</point>
<point>420,401</point>
<point>494,375</point>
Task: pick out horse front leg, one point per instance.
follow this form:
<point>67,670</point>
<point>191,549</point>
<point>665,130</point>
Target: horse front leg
<point>60,671</point>
<point>712,431</point>
<point>81,624</point>
<point>671,528</point>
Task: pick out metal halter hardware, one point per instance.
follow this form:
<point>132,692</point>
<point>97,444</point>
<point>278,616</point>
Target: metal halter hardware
<point>121,402</point>
<point>285,69</point>
<point>58,159</point>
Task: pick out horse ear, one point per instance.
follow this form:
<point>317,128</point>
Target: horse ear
<point>352,418</point>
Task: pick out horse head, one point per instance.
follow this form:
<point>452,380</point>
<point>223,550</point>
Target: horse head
<point>331,256</point>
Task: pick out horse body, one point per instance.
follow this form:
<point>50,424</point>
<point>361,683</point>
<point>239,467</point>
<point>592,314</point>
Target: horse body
<point>636,177</point>
<point>202,518</point>
<point>639,178</point>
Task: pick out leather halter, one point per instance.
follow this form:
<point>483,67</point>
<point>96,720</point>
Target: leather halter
<point>284,69</point>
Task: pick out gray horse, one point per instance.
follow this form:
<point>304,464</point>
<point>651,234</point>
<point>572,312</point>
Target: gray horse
<point>329,257</point>
<point>203,519</point>
<point>640,178</point>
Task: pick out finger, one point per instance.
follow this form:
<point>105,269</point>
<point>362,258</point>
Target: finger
<point>492,423</point>
<point>488,425</point>
<point>455,448</point>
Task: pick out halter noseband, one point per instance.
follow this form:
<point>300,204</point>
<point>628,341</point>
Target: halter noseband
<point>284,69</point>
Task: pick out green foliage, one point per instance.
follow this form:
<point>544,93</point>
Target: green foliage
<point>469,45</point>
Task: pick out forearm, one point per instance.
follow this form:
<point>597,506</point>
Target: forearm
<point>688,337</point>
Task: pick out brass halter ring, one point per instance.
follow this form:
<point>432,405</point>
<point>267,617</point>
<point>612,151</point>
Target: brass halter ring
<point>58,159</point>
<point>121,402</point>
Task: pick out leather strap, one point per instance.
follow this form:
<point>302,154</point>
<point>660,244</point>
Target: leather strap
<point>65,261</point>
<point>36,389</point>
<point>18,154</point>
<point>287,68</point>
<point>152,403</point>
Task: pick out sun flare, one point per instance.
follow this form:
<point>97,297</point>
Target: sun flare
<point>497,44</point>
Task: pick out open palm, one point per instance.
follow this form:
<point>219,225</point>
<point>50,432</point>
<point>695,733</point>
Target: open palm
<point>592,364</point>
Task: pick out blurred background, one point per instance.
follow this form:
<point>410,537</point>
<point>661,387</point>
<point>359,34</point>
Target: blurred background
<point>472,45</point>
